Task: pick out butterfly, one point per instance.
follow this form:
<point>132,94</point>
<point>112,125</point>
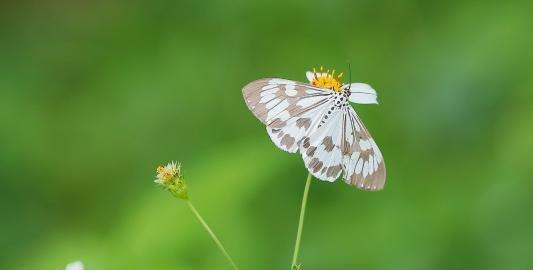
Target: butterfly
<point>317,120</point>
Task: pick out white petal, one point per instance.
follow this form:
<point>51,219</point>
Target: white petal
<point>75,266</point>
<point>310,76</point>
<point>362,93</point>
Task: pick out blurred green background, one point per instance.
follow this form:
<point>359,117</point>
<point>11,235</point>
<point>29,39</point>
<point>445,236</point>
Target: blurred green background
<point>95,94</point>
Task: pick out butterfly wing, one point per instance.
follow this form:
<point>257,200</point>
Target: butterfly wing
<point>289,109</point>
<point>321,149</point>
<point>363,163</point>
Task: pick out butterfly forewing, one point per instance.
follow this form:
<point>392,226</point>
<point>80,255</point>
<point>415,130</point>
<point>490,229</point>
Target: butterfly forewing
<point>321,149</point>
<point>274,101</point>
<point>289,109</point>
<point>364,166</point>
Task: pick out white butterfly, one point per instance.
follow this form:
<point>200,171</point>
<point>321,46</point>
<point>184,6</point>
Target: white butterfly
<point>316,119</point>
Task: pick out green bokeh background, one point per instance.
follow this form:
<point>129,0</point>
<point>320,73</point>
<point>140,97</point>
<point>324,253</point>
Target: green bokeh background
<point>95,94</point>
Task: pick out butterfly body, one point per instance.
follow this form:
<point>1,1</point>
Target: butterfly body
<point>321,124</point>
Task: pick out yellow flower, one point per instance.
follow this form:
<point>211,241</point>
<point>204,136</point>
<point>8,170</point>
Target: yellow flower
<point>325,79</point>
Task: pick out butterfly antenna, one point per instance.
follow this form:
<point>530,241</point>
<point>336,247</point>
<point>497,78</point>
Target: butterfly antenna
<point>350,76</point>
<point>350,70</point>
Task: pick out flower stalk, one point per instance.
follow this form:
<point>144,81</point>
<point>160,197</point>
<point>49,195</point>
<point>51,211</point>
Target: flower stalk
<point>295,265</point>
<point>212,234</point>
<point>171,179</point>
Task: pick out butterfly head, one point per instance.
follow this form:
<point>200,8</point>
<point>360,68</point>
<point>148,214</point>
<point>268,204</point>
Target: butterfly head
<point>325,79</point>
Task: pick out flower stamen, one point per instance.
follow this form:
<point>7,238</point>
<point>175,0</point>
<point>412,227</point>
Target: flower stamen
<point>327,80</point>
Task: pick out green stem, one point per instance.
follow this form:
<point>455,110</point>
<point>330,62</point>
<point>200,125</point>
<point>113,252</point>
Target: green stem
<point>301,222</point>
<point>212,234</point>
